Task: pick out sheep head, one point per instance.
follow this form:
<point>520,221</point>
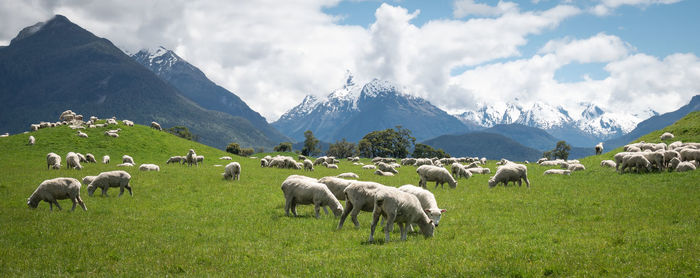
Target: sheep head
<point>435,214</point>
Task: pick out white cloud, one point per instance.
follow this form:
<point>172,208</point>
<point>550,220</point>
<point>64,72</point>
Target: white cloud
<point>607,6</point>
<point>597,49</point>
<point>463,8</point>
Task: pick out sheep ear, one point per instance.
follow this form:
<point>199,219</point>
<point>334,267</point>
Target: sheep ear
<point>443,210</point>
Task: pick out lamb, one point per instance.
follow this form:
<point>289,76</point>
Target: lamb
<point>401,208</point>
<point>382,173</point>
<point>437,174</point>
<point>427,202</point>
<point>301,191</point>
<point>232,171</point>
<point>369,167</point>
<point>105,180</point>
<point>82,134</point>
<point>156,126</point>
<point>149,167</point>
<point>637,161</point>
<point>225,158</point>
<point>57,189</point>
<point>666,136</point>
<point>308,165</point>
<point>111,121</point>
<point>510,172</point>
<point>359,196</point>
<point>32,140</point>
<point>191,158</point>
<point>73,161</point>
<point>127,159</point>
<point>386,168</point>
<point>558,172</point>
<point>599,148</point>
<point>479,170</point>
<point>348,175</point>
<point>90,158</point>
<point>608,163</point>
<point>53,161</point>
<point>336,185</point>
<point>174,159</point>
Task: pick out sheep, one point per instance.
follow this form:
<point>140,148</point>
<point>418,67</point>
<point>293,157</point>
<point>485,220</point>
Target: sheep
<point>53,161</point>
<point>458,171</point>
<point>510,172</point>
<point>685,166</point>
<point>348,175</point>
<point>301,191</point>
<point>689,154</point>
<point>128,123</point>
<point>427,202</point>
<point>437,174</point>
<point>479,170</point>
<point>90,158</point>
<point>88,179</point>
<point>336,185</point>
<point>73,161</point>
<point>114,135</point>
<point>637,161</point>
<point>575,167</point>
<point>200,159</point>
<point>81,157</point>
<point>191,158</point>
<point>57,189</point>
<point>558,172</point>
<point>539,161</point>
<point>599,148</point>
<point>149,167</point>
<point>369,167</point>
<point>125,165</point>
<point>32,140</point>
<point>82,134</point>
<point>232,171</point>
<point>618,158</point>
<point>675,145</point>
<point>264,162</point>
<point>382,173</point>
<point>308,165</point>
<point>401,208</point>
<point>408,161</point>
<point>320,160</point>
<point>666,136</point>
<point>423,161</point>
<point>332,166</point>
<point>156,126</point>
<point>225,158</point>
<point>105,180</point>
<point>359,196</point>
<point>386,167</point>
<point>128,159</point>
<point>175,159</point>
<point>608,163</point>
<point>655,158</point>
<point>670,154</point>
<point>110,122</point>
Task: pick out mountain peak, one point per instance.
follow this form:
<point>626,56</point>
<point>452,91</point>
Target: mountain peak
<point>57,21</point>
<point>159,58</point>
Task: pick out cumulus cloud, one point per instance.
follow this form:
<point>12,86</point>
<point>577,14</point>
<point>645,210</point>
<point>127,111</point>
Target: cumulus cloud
<point>463,8</point>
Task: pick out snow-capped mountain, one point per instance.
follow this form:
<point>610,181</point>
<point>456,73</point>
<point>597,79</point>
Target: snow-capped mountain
<point>588,124</point>
<point>353,110</point>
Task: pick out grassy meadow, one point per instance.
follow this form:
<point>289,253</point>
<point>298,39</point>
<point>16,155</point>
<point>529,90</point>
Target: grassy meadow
<point>188,221</point>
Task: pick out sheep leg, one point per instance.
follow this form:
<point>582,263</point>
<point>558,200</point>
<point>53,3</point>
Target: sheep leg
<point>389,225</point>
<point>325,209</point>
<point>402,227</point>
<point>346,211</point>
<point>104,191</point>
<point>80,202</point>
<point>75,202</point>
<point>527,182</point>
<point>317,209</point>
<point>50,206</point>
<point>294,208</point>
<point>375,219</point>
<point>287,206</point>
<point>57,205</point>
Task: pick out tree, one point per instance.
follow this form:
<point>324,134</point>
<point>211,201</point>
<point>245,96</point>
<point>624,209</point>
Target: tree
<point>341,149</point>
<point>233,148</point>
<point>426,151</point>
<point>310,144</point>
<point>183,132</point>
<point>560,151</point>
<point>387,143</point>
<point>283,147</point>
<point>247,151</point>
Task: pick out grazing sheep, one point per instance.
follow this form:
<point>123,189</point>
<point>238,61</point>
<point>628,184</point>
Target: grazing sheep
<point>73,161</point>
<point>90,158</point>
<point>670,154</point>
<point>81,157</point>
<point>599,148</point>
<point>386,167</point>
<point>331,166</point>
<point>369,167</point>
<point>685,166</point>
<point>105,180</point>
<point>666,136</point>
<point>458,171</point>
<point>111,121</point>
<point>437,174</point>
<point>232,171</point>
<point>675,145</point>
<point>557,172</point>
<point>510,172</point>
<point>82,134</point>
<point>427,202</point>
<point>539,161</point>
<point>114,135</point>
<point>128,159</point>
<point>149,167</point>
<point>128,123</point>
<point>308,165</point>
<point>479,170</point>
<point>382,173</point>
<point>336,185</point>
<point>359,196</point>
<point>191,158</point>
<point>422,161</point>
<point>88,179</point>
<point>301,191</point>
<point>348,175</point>
<point>320,160</point>
<point>125,165</point>
<point>401,208</point>
<point>689,154</point>
<point>264,162</point>
<point>655,158</point>
<point>638,161</point>
<point>225,158</point>
<point>608,163</point>
<point>175,159</point>
<point>57,189</point>
<point>200,158</point>
<point>575,167</point>
<point>408,161</point>
<point>618,158</point>
<point>53,161</point>
<point>32,140</point>
<point>156,126</point>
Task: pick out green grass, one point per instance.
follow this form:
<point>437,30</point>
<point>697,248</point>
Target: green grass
<point>188,221</point>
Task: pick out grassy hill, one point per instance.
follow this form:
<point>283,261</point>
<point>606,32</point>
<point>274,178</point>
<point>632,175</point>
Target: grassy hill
<point>188,221</point>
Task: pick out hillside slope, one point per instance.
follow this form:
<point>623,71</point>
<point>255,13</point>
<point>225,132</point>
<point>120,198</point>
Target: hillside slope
<point>484,144</point>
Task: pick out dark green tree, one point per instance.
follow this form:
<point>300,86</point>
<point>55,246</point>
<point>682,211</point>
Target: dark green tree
<point>183,132</point>
<point>426,151</point>
<point>365,148</point>
<point>387,143</point>
<point>561,150</point>
<point>233,148</point>
<point>247,151</point>
<point>341,149</point>
<point>283,147</point>
<point>310,144</point>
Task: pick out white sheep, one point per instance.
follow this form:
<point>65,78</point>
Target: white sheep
<point>427,202</point>
<point>32,140</point>
<point>308,165</point>
<point>666,136</point>
<point>82,134</point>
<point>382,173</point>
<point>685,166</point>
<point>599,148</point>
<point>332,166</point>
<point>386,167</point>
<point>200,159</point>
<point>638,161</point>
<point>156,126</point>
<point>510,172</point>
<point>458,171</point>
<point>575,167</point>
<point>81,157</point>
<point>689,154</point>
<point>191,158</point>
<point>336,186</point>
<point>479,170</point>
<point>401,208</point>
<point>348,175</point>
<point>149,167</point>
<point>422,161</point>
<point>670,154</point>
<point>125,165</point>
<point>539,161</point>
<point>359,196</point>
<point>57,189</point>
<point>369,167</point>
<point>128,123</point>
<point>232,171</point>
<point>225,158</point>
<point>655,158</point>
<point>73,161</point>
<point>90,158</point>
<point>437,174</point>
<point>557,172</point>
<point>88,179</point>
<point>301,191</point>
<point>408,161</point>
<point>675,145</point>
<point>618,158</point>
<point>53,161</point>
<point>608,163</point>
<point>321,160</point>
<point>175,159</point>
<point>105,180</point>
